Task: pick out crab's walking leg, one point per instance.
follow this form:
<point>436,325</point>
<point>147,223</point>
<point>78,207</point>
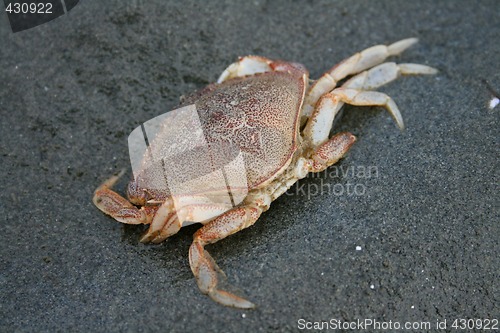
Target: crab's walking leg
<point>246,66</point>
<point>117,206</point>
<point>251,65</point>
<point>320,123</point>
<point>318,128</point>
<point>370,98</point>
<point>165,220</point>
<point>384,73</point>
<point>208,274</point>
<point>357,63</point>
<point>169,220</point>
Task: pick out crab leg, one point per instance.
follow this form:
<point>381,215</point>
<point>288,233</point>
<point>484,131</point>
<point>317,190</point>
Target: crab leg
<point>320,123</point>
<point>208,275</point>
<point>246,66</point>
<point>384,73</point>
<point>251,65</point>
<point>162,220</point>
<point>370,98</point>
<point>318,128</point>
<point>118,207</point>
<point>357,63</point>
<point>169,220</point>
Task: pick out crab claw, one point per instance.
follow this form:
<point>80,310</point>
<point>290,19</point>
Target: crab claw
<point>113,204</point>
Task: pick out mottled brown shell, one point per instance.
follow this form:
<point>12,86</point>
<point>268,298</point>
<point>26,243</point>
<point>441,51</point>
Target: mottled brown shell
<point>256,115</point>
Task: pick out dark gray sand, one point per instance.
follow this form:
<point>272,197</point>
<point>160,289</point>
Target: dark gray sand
<point>418,241</point>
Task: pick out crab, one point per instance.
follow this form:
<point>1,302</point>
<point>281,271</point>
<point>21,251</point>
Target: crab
<point>277,128</point>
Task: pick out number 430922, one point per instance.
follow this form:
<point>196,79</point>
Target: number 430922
<point>31,8</point>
